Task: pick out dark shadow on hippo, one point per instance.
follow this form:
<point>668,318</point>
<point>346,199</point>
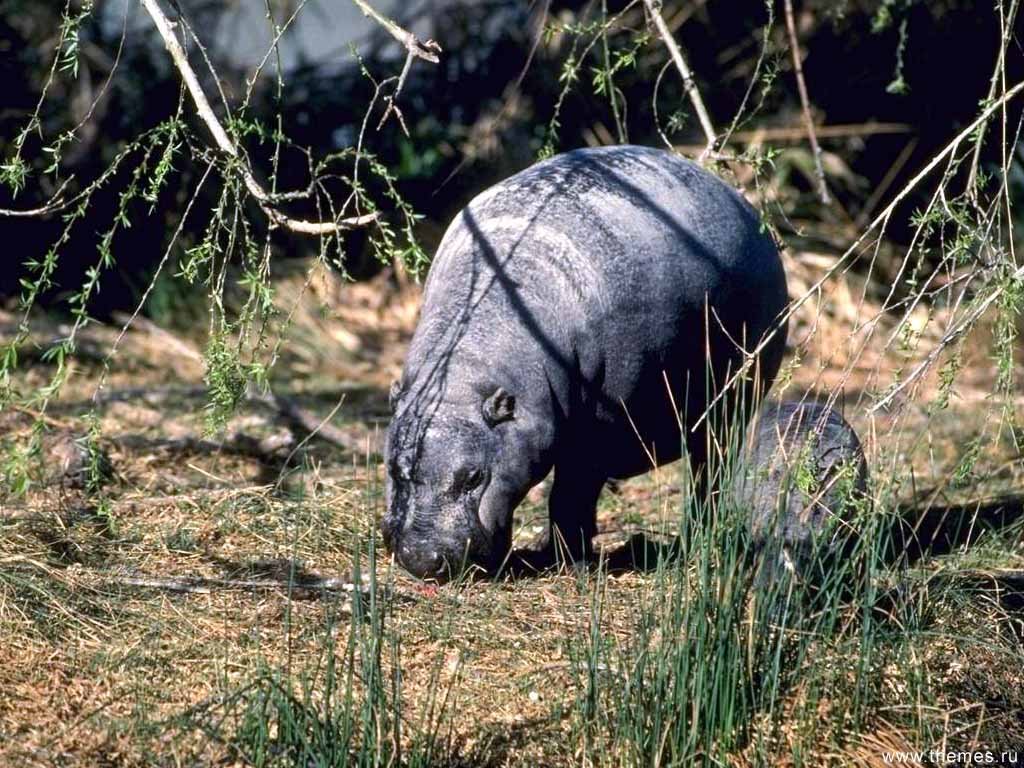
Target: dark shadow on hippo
<point>572,313</point>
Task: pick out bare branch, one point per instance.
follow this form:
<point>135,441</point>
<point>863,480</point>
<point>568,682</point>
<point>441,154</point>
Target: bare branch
<point>1005,36</point>
<point>428,50</point>
<point>305,227</point>
<point>224,143</point>
<point>391,100</point>
<point>794,47</point>
<point>684,71</point>
<point>882,217</point>
<point>55,203</point>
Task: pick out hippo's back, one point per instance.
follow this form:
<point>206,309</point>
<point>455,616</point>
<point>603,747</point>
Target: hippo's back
<point>621,263</point>
<point>600,224</point>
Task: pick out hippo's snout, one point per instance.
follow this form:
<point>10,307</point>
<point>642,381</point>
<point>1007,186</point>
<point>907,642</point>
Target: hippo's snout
<point>423,562</point>
<point>431,560</point>
<point>430,554</point>
<point>439,517</point>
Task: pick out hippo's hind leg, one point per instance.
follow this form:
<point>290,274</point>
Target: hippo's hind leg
<point>572,510</point>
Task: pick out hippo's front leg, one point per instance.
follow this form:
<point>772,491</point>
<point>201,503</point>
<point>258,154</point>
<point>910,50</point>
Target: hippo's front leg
<point>572,511</point>
<point>572,514</point>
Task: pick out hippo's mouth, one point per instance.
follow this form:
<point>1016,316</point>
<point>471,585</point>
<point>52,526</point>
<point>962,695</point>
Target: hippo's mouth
<point>438,562</point>
<point>425,563</point>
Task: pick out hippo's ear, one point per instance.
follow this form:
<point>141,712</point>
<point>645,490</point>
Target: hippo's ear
<point>394,393</point>
<point>499,407</point>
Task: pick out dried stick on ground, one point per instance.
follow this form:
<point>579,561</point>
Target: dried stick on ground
<point>201,585</point>
<point>794,47</point>
<point>224,143</point>
<point>687,75</point>
<point>312,425</point>
<point>269,449</point>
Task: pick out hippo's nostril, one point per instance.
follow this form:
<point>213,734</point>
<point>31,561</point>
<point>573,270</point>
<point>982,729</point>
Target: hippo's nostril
<point>434,562</point>
<point>424,563</point>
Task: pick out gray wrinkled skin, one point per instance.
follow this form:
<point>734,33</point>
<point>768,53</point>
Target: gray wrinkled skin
<point>804,475</point>
<point>559,301</point>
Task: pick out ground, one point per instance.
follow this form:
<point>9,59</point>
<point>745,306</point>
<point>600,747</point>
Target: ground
<point>227,602</point>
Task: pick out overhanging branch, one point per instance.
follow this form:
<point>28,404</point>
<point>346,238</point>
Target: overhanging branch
<point>224,143</point>
<point>654,10</point>
<point>428,50</point>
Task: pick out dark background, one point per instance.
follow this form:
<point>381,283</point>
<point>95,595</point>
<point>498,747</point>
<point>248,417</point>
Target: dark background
<point>469,123</point>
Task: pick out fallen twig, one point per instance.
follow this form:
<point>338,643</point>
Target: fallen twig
<point>267,449</point>
<point>203,585</point>
<point>311,424</point>
<point>299,419</point>
<point>886,182</point>
<point>799,133</point>
<point>169,341</point>
<point>837,131</point>
<point>148,395</point>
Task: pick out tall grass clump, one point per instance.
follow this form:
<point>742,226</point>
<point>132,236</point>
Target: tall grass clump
<point>343,707</point>
<point>719,667</point>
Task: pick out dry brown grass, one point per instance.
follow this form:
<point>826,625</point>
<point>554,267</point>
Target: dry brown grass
<point>95,671</point>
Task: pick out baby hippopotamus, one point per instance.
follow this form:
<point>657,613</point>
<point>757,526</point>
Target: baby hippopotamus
<point>802,481</point>
<point>579,315</point>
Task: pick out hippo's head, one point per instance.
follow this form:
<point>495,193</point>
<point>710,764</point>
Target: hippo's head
<point>453,479</point>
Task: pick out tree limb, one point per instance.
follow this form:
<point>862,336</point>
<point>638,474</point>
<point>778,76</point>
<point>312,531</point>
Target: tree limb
<point>1005,37</point>
<point>428,50</point>
<point>224,143</point>
<point>794,47</point>
<point>684,71</point>
<point>55,203</point>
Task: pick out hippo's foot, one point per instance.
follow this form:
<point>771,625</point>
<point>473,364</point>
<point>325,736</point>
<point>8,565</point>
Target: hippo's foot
<point>572,508</point>
<point>547,558</point>
<point>642,554</point>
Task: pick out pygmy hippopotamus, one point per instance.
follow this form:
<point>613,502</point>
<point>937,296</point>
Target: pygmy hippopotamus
<point>579,315</point>
<point>802,481</point>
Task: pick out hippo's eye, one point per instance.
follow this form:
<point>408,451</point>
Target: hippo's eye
<point>467,479</point>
